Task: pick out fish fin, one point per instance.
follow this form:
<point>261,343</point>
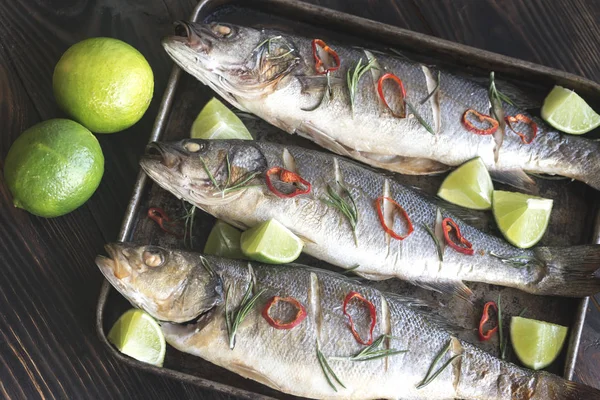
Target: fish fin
<point>250,372</point>
<point>396,163</point>
<point>515,177</point>
<point>316,83</point>
<point>572,271</point>
<point>455,288</point>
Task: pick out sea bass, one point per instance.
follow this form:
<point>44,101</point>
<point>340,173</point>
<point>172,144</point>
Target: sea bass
<point>283,78</point>
<point>354,217</point>
<point>177,286</point>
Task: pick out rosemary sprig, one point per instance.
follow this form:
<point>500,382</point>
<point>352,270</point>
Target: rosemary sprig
<point>496,98</point>
<point>327,371</point>
<point>207,266</point>
<point>345,203</point>
<point>503,343</point>
<point>419,118</point>
<point>233,319</point>
<point>188,232</point>
<point>210,175</point>
<point>430,377</point>
<point>240,184</point>
<point>438,245</point>
<point>327,94</point>
<point>372,352</point>
<point>353,77</point>
<point>435,89</point>
<point>523,311</point>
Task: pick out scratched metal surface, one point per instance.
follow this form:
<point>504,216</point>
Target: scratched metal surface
<point>570,224</point>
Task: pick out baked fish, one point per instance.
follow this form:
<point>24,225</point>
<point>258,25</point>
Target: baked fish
<point>350,215</point>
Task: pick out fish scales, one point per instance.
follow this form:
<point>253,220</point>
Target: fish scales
<point>287,359</point>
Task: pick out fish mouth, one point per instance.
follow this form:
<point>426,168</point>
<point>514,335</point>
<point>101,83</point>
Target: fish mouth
<point>115,266</point>
<point>168,156</point>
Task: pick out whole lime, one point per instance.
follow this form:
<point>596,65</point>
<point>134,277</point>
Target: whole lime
<point>103,83</point>
<point>53,167</point>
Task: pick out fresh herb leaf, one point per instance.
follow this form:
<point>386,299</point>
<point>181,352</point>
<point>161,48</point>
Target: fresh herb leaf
<point>372,352</point>
<point>233,319</point>
<point>435,89</point>
<point>327,371</point>
<point>430,376</point>
<point>353,77</point>
<point>503,343</point>
<point>341,198</point>
<point>207,266</point>
<point>438,245</point>
<point>419,118</point>
<point>496,98</point>
<point>210,175</point>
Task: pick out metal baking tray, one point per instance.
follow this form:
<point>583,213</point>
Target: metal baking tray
<point>573,220</point>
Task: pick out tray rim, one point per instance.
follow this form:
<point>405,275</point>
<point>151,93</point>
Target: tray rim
<point>204,8</point>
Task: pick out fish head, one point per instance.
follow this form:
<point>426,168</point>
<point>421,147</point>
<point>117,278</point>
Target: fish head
<point>233,60</point>
<point>170,285</point>
<point>204,172</point>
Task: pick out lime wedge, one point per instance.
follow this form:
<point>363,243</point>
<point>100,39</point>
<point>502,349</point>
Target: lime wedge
<point>272,243</point>
<point>566,111</point>
<point>522,218</point>
<point>139,336</point>
<point>224,241</point>
<point>469,186</point>
<point>536,343</point>
<point>216,121</point>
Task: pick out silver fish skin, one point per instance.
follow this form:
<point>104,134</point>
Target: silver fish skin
<point>272,75</point>
<point>208,173</point>
<point>163,282</point>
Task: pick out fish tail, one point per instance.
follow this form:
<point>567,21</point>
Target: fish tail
<point>566,271</point>
<point>553,387</point>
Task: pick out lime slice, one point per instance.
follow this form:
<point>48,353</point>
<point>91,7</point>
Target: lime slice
<point>536,343</point>
<point>566,111</point>
<point>139,336</point>
<point>522,219</point>
<point>216,121</point>
<point>469,186</point>
<point>224,241</point>
<point>272,243</point>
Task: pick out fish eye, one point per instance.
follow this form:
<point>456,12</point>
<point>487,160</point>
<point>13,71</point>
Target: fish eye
<point>222,30</point>
<point>153,257</point>
<point>194,147</point>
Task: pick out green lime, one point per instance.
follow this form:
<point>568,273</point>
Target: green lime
<point>138,335</point>
<point>536,343</point>
<point>103,83</point>
<point>522,219</point>
<point>567,111</point>
<point>224,241</point>
<point>53,167</point>
<point>216,121</point>
<point>272,243</point>
<point>469,186</point>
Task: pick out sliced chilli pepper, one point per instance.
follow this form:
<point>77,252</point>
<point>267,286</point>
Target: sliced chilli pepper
<point>159,216</point>
<point>526,120</point>
<point>483,336</point>
<point>390,231</point>
<point>372,312</point>
<point>287,177</point>
<point>482,118</point>
<point>393,77</point>
<point>278,324</point>
<point>464,246</point>
<point>319,65</point>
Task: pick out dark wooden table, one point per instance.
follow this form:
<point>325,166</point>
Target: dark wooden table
<point>48,281</point>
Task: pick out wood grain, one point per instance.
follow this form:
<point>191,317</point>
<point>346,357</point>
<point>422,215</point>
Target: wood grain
<point>49,285</point>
